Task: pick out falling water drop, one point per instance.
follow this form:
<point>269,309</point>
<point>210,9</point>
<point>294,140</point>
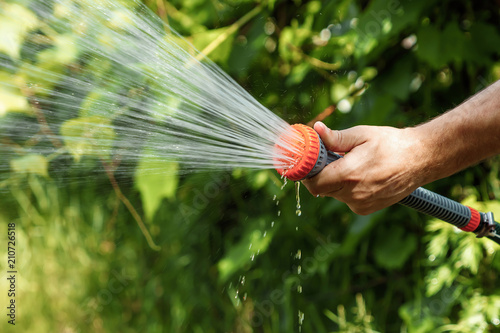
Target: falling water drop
<point>301,320</point>
<point>297,197</point>
<point>298,255</point>
<point>284,183</point>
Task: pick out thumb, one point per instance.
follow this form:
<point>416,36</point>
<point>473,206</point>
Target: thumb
<point>340,141</point>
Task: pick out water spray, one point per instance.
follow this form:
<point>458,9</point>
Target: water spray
<point>310,156</point>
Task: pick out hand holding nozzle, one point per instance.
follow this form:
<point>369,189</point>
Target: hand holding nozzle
<point>361,180</point>
<point>381,167</point>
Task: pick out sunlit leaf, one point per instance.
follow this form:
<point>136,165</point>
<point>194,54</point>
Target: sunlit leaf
<point>11,98</point>
<point>15,22</point>
<point>88,136</point>
<point>156,179</point>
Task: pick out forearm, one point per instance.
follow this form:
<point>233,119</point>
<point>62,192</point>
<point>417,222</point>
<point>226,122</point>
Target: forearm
<point>461,137</point>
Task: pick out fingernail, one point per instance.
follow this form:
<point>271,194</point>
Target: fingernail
<point>319,126</point>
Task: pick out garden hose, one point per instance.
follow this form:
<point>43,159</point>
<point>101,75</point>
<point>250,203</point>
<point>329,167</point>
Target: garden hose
<point>310,156</point>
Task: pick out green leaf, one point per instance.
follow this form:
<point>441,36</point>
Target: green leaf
<point>393,247</point>
<point>15,22</point>
<point>439,278</point>
<point>156,179</point>
<point>64,51</point>
<point>11,98</point>
<point>88,136</point>
<point>31,164</point>
<point>241,253</point>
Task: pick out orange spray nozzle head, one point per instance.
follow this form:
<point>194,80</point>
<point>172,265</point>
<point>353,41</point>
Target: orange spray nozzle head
<point>303,150</point>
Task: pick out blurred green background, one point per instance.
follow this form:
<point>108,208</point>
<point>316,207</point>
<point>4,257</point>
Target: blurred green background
<point>229,255</point>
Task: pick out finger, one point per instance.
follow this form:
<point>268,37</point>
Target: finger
<point>340,141</point>
<point>330,179</point>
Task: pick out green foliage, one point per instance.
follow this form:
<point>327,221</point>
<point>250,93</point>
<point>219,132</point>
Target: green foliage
<point>228,260</point>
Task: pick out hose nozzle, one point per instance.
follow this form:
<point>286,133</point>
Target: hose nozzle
<point>307,151</point>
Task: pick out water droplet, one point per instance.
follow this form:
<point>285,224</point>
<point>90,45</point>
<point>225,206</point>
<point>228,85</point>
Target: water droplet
<point>245,297</point>
<point>301,317</point>
<point>284,183</point>
<point>279,212</point>
<point>299,269</point>
<point>252,257</point>
<point>298,255</point>
<point>243,280</point>
<point>274,198</point>
<point>297,197</point>
<point>265,233</point>
<point>299,289</point>
<point>432,257</point>
<point>250,246</point>
<point>272,224</point>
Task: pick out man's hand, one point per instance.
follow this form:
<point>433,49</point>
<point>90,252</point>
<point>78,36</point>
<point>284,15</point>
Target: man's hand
<point>382,166</point>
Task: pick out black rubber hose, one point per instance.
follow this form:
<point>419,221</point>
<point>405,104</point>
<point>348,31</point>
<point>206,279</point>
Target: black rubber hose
<point>445,209</point>
<point>440,207</point>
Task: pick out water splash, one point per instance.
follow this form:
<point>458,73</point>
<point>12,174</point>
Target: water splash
<point>99,79</point>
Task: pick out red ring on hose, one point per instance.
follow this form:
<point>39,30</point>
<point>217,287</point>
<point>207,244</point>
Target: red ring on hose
<point>475,219</point>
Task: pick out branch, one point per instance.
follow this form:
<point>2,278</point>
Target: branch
<point>129,206</point>
<point>232,29</point>
<point>315,61</point>
<point>320,117</point>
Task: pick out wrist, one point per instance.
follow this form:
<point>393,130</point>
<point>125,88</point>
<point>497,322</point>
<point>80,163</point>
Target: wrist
<point>425,147</point>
